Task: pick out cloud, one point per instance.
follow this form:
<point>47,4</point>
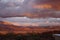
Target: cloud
<point>24,21</point>
<point>29,8</point>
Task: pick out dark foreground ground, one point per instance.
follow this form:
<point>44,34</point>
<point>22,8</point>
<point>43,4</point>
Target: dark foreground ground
<point>29,36</point>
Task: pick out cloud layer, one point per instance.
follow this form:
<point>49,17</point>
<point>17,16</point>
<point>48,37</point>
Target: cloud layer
<point>30,8</point>
<point>24,21</point>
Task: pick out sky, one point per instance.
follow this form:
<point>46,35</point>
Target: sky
<point>30,8</point>
<point>43,12</point>
<point>25,21</point>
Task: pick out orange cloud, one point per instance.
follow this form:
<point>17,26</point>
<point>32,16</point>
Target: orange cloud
<point>42,6</point>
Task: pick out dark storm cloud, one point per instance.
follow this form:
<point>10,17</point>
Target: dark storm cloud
<point>30,8</point>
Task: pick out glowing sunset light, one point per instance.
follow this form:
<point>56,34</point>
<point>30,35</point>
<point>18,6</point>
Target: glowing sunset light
<point>16,24</point>
<point>42,6</point>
